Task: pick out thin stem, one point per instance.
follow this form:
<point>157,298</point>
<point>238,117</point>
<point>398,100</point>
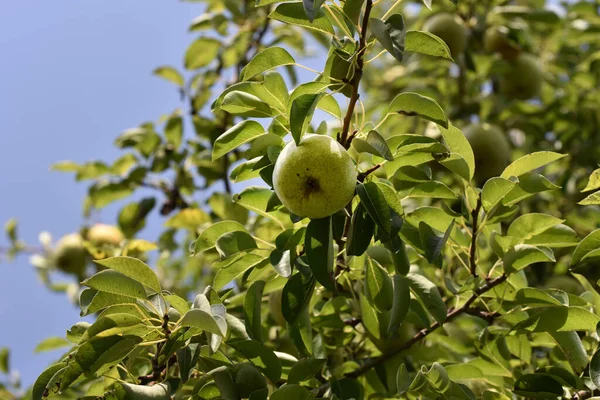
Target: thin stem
<point>473,249</point>
<point>390,10</point>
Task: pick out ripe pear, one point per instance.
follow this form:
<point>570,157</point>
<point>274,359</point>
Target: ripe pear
<point>523,80</point>
<point>316,178</point>
<point>70,254</point>
<point>450,30</point>
<point>275,307</point>
<point>102,234</point>
<point>491,149</point>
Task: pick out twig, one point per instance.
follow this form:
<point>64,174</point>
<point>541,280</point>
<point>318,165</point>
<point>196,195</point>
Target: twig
<point>363,175</point>
<point>473,249</point>
<point>465,308</point>
<point>345,139</point>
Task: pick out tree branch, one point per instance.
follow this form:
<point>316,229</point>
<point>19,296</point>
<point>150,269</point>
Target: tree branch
<point>345,138</point>
<point>473,249</point>
<point>464,309</point>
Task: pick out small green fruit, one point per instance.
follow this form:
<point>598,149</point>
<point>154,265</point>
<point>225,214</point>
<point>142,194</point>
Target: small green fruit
<point>70,255</point>
<point>523,80</point>
<point>451,31</point>
<point>102,234</point>
<point>491,150</point>
<point>316,178</point>
<point>495,39</point>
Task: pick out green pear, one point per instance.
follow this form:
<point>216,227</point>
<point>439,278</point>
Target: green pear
<point>491,149</point>
<point>451,31</point>
<point>102,234</point>
<point>316,178</point>
<point>70,254</point>
<point>523,79</point>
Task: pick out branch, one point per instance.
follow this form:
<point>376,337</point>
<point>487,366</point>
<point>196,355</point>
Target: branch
<point>473,249</point>
<point>464,309</point>
<point>158,370</point>
<point>363,175</point>
<point>345,138</point>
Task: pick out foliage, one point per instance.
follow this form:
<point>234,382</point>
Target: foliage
<point>429,284</point>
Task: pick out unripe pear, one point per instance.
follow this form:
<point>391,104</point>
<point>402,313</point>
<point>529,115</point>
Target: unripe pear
<point>495,40</point>
<point>315,178</point>
<point>491,149</point>
<point>70,255</point>
<point>523,80</point>
<point>450,30</point>
<point>102,234</point>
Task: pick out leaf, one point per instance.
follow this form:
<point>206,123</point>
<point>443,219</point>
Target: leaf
<point>170,74</point>
<point>530,162</point>
<point>352,9</point>
<point>301,114</point>
<point>557,236</point>
<point>400,303</point>
<point>593,182</point>
<point>559,319</point>
<point>236,267</point>
<point>259,355</point>
<point>39,387</point>
<point>494,190</point>
<point>201,320</point>
<point>201,52</point>
<point>529,225</point>
<point>110,281</point>
<point>414,104</point>
<point>318,243</point>
<point>305,369</point>
<point>361,231</point>
<point>292,392</point>
<point>426,43</point>
<point>378,286</point>
<point>296,296</point>
<point>374,144</point>
<point>589,244</point>
<point>245,104</point>
<point>529,14</point>
<point>464,161</point>
<point>376,205</point>
<point>390,34</point>
<point>312,8</point>
<point>252,310</point>
<point>532,297</point>
<point>592,199</point>
<point>49,344</point>
<point>369,316</point>
<point>529,184</point>
<point>268,59</point>
<point>256,199</point>
<point>428,293</point>
<point>174,130</point>
<point>433,242</point>
<point>293,14</point>
<point>134,269</point>
<point>4,360</point>
<point>242,132</point>
<point>235,242</point>
<point>523,255</point>
<point>538,386</point>
<point>595,369</point>
<point>572,347</point>
<point>432,189</point>
<point>208,237</point>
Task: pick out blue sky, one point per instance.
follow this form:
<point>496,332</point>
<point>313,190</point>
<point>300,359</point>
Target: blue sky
<point>73,75</point>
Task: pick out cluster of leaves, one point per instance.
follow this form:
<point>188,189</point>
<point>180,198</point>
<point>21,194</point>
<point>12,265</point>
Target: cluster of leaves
<point>425,286</point>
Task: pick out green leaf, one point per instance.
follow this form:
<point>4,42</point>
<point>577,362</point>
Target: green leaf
<point>245,104</point>
<point>312,8</point>
<point>538,386</point>
<point>559,319</point>
<point>208,237</point>
<point>170,74</point>
<point>268,59</point>
<point>556,236</point>
<point>49,344</point>
<point>160,391</point>
<point>115,324</point>
<point>174,130</point>
<point>361,231</point>
<point>523,255</point>
<point>426,43</point>
<point>594,369</point>
<point>432,189</point>
<point>527,226</point>
<point>378,286</point>
<point>352,9</point>
<point>462,160</point>
<point>530,162</point>
<point>400,303</point>
<point>428,293</point>
<point>231,243</point>
<point>134,269</point>
<point>292,392</point>
<point>369,316</point>
<point>390,34</point>
<point>202,320</point>
<point>319,250</point>
<point>256,199</point>
<point>376,205</point>
<point>178,303</point>
<point>301,114</point>
<point>414,104</point>
<point>235,267</point>
<point>293,14</point>
<point>592,199</point>
<point>529,184</point>
<point>374,144</point>
<point>111,281</point>
<point>201,52</point>
<point>588,245</point>
<point>572,346</point>
<point>305,369</point>
<point>494,191</point>
<point>433,242</point>
<point>91,301</point>
<point>4,360</point>
<point>259,355</point>
<point>532,297</point>
<point>296,296</point>
<point>593,182</point>
<point>512,12</point>
<point>252,310</point>
<point>39,387</point>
